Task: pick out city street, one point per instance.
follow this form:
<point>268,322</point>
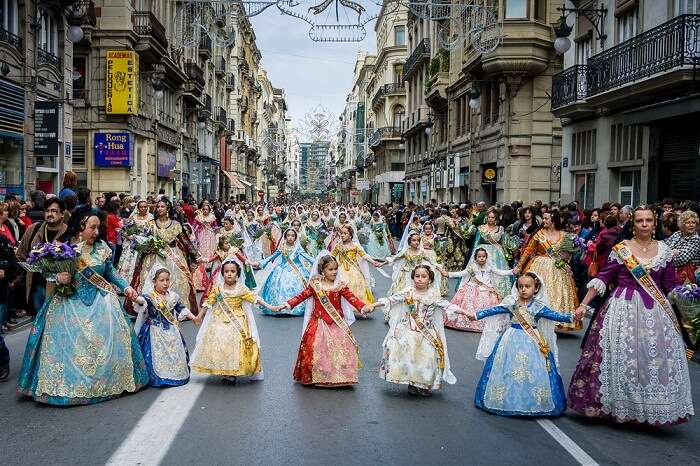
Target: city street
<point>276,421</point>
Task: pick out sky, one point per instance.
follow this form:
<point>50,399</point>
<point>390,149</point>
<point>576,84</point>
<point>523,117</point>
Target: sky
<point>311,73</point>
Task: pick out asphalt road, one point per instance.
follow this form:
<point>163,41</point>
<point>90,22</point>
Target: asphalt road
<point>276,421</point>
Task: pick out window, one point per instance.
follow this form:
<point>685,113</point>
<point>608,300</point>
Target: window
<point>584,46</point>
<point>516,9</point>
<point>583,148</point>
<point>626,143</point>
<point>400,35</point>
<point>10,160</point>
<point>398,73</point>
<point>541,10</point>
<point>79,77</point>
<point>627,25</point>
<point>399,113</point>
<point>78,153</point>
<point>630,180</point>
<point>48,33</point>
<point>584,184</point>
<point>688,7</point>
<point>9,13</point>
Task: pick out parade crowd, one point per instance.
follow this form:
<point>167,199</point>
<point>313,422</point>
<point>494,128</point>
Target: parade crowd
<point>517,274</point>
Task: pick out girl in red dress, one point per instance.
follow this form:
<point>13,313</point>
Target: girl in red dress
<point>328,353</point>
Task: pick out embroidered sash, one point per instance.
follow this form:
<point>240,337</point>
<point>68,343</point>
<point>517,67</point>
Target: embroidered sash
<point>237,324</point>
<point>161,306</point>
<point>423,329</point>
<point>294,267</point>
<point>335,315</point>
<point>180,266</point>
<point>89,274</point>
<point>533,333</point>
<point>643,277</point>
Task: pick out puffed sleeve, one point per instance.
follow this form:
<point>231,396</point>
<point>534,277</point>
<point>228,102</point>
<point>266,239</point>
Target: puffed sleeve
<point>305,294</point>
<point>528,251</point>
<point>608,274</point>
<point>212,297</point>
<point>269,259</point>
<point>249,296</point>
<point>350,297</point>
<point>399,297</point>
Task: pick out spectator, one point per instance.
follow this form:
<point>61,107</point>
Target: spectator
<point>70,184</point>
<point>15,225</point>
<point>51,229</point>
<point>670,224</point>
<point>5,230</point>
<point>114,224</point>
<point>36,213</point>
<point>8,272</point>
<point>607,238</point>
<point>685,245</point>
<point>23,216</point>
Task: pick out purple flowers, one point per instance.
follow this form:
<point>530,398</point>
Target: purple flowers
<point>53,259</point>
<point>687,292</point>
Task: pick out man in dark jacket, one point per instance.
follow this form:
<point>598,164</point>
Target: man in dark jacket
<point>8,272</point>
<point>36,213</point>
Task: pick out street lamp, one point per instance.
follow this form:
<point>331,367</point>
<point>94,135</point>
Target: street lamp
<point>596,16</point>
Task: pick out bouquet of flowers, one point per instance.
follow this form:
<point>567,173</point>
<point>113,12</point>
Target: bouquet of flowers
<point>130,229</point>
<point>466,229</point>
<point>149,245</point>
<point>51,259</point>
<point>236,241</point>
<point>257,234</point>
<point>379,233</point>
<point>687,298</point>
<point>510,244</point>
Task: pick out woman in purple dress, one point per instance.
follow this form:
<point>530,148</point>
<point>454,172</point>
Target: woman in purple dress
<point>633,367</point>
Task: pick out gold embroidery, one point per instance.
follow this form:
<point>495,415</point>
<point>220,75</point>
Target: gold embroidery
<point>496,394</point>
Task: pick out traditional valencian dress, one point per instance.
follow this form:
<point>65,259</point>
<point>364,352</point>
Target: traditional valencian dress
<point>491,242</point>
<point>544,258</point>
<point>328,353</point>
<point>128,258</point>
<point>415,349</point>
<point>403,264</point>
<point>82,349</point>
<point>228,343</point>
<point>176,257</point>
<point>476,292</point>
<point>353,270</point>
<point>287,276</point>
<point>520,377</point>
<point>633,367</point>
<point>204,227</point>
<point>457,234</point>
<point>162,344</point>
<point>379,241</point>
<point>315,234</point>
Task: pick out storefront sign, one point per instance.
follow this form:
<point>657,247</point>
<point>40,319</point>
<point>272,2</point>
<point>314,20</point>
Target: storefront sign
<point>362,184</point>
<point>488,175</point>
<point>112,150</point>
<point>451,172</point>
<point>166,162</point>
<point>46,118</point>
<point>122,82</point>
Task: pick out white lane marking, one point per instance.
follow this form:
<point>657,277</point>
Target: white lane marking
<point>565,441</point>
<point>149,442</point>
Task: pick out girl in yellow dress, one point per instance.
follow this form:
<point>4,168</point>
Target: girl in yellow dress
<point>228,343</point>
<point>353,261</point>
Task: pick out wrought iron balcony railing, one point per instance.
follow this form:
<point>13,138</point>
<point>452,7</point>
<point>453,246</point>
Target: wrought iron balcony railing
<point>673,44</point>
<point>221,66</point>
<point>47,58</point>
<point>386,132</point>
<point>230,82</point>
<point>207,103</point>
<point>221,115</point>
<point>232,125</point>
<point>194,72</point>
<point>387,89</point>
<point>205,46</point>
<point>146,24</point>
<point>14,40</point>
<point>420,53</point>
<point>569,86</point>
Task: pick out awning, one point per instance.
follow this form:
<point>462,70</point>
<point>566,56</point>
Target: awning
<point>246,183</point>
<point>235,182</point>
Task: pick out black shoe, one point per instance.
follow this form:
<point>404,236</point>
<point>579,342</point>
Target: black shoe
<point>413,390</point>
<point>230,379</point>
<point>4,373</point>
<point>424,392</point>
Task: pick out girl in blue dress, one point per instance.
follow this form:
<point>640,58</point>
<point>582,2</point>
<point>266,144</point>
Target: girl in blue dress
<point>520,377</point>
<point>288,273</point>
<point>81,348</point>
<point>157,326</point>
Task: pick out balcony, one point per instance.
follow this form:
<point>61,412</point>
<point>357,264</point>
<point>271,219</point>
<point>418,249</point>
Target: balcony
<point>659,62</point>
<point>221,116</point>
<point>147,27</point>
<point>415,121</point>
<point>205,47</point>
<point>387,89</point>
<point>419,54</point>
<point>194,73</point>
<point>12,40</point>
<point>232,126</point>
<point>48,58</point>
<point>230,82</point>
<point>207,103</point>
<point>220,67</point>
<point>384,134</point>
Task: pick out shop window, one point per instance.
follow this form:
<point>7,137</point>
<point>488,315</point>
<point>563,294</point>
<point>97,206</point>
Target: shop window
<point>10,161</point>
<point>584,185</point>
<point>630,181</point>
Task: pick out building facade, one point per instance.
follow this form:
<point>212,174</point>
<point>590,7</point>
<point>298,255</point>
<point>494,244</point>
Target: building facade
<point>312,170</point>
<point>36,94</point>
<point>629,105</point>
